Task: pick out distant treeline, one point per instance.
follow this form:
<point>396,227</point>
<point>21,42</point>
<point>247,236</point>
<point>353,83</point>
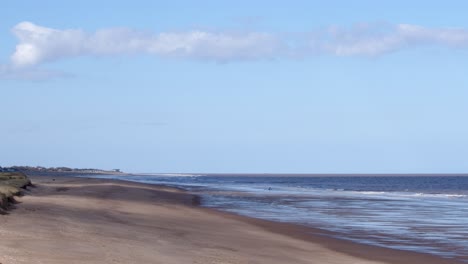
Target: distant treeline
<point>52,169</point>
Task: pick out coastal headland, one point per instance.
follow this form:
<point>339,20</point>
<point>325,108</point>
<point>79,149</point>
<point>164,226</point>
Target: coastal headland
<point>84,220</point>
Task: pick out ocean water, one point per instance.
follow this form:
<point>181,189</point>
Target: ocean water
<point>426,214</point>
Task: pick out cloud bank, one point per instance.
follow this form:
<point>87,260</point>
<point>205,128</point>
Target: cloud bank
<point>38,44</point>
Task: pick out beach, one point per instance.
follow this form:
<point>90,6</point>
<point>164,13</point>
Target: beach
<point>83,220</point>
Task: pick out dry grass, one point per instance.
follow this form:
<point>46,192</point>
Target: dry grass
<point>12,175</point>
<point>11,184</point>
<point>9,191</point>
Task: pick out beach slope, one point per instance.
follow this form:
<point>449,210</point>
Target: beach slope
<point>79,220</point>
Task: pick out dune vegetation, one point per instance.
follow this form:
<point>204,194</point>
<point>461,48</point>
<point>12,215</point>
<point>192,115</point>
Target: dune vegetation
<point>11,184</point>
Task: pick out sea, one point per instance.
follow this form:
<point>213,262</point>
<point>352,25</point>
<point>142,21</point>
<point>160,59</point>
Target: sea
<point>427,214</point>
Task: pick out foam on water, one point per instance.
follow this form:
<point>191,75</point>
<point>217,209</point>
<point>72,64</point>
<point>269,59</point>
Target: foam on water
<point>424,214</point>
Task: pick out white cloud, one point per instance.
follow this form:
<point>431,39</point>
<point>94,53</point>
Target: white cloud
<point>38,44</point>
<point>372,41</point>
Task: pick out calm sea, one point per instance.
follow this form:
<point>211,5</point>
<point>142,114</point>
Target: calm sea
<point>423,214</point>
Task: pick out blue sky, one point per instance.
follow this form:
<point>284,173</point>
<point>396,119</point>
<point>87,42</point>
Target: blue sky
<point>212,86</point>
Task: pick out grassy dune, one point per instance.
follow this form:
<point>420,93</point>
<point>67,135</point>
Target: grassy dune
<point>11,185</point>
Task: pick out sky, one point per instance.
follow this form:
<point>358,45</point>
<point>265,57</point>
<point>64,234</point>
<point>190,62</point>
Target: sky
<point>235,86</point>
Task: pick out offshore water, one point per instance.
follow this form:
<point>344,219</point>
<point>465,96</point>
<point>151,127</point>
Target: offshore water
<point>422,213</point>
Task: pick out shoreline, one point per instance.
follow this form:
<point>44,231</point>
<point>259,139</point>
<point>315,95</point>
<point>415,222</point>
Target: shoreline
<point>87,205</point>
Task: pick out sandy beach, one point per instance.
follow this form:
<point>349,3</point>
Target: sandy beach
<point>80,220</point>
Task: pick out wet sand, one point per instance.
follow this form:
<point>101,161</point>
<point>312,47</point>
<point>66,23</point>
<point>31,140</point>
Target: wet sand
<point>78,220</point>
